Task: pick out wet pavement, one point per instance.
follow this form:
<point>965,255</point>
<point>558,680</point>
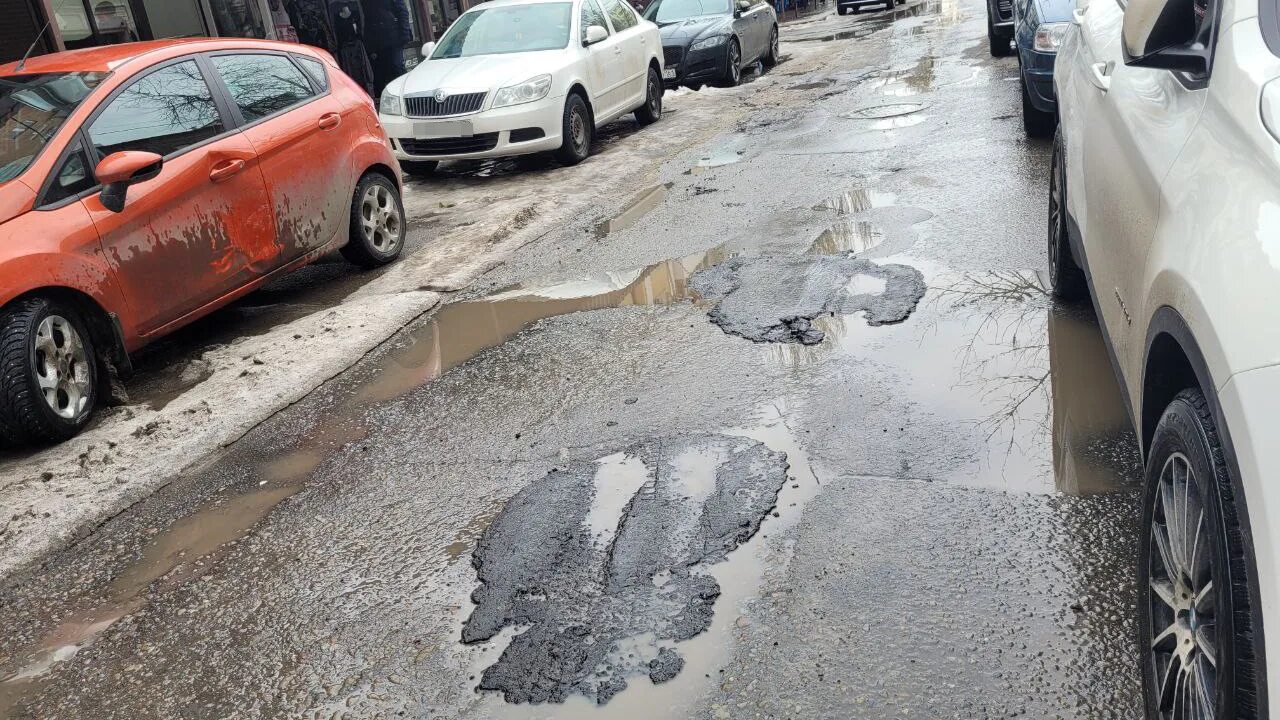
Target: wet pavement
<point>797,432</point>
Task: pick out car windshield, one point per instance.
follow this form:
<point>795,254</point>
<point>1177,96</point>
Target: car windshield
<point>32,108</point>
<point>666,11</point>
<point>510,29</point>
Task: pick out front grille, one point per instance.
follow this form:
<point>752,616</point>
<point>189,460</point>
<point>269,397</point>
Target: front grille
<point>427,106</point>
<point>672,55</point>
<point>450,146</point>
<point>1004,8</point>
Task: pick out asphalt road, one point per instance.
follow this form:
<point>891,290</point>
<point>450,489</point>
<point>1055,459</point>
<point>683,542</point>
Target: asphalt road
<point>800,434</point>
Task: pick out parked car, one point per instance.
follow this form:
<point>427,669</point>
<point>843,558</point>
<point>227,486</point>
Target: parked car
<point>515,77</point>
<point>1000,27</point>
<point>710,41</point>
<point>844,7</point>
<point>1039,26</point>
<point>144,185</point>
<point>1164,207</point>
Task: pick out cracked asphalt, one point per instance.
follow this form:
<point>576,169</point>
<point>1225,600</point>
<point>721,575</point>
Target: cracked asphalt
<point>797,433</point>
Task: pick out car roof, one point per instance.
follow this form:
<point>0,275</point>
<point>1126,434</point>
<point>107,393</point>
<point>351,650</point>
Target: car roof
<point>110,57</point>
<point>508,3</point>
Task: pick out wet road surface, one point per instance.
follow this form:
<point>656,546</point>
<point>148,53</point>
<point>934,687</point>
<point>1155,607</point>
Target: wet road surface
<point>798,434</point>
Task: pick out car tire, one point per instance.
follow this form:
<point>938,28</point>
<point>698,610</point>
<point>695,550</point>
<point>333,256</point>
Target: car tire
<point>419,168</point>
<point>999,45</point>
<point>732,65</point>
<point>577,130</point>
<point>1193,606</point>
<point>773,56</point>
<point>49,372</point>
<point>377,222</point>
<point>1066,279</point>
<point>1036,122</point>
<point>651,111</point>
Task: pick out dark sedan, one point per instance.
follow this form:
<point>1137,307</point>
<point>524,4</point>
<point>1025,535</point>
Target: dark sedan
<point>710,41</point>
<point>1039,28</point>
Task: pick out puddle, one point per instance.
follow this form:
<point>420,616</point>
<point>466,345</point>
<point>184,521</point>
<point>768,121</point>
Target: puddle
<point>848,236</point>
<point>897,122</point>
<point>824,83</point>
<point>1026,382</point>
<point>857,200</point>
<point>884,111</point>
<point>636,209</point>
<point>727,154</point>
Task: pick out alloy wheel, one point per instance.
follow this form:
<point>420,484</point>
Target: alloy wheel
<point>380,219</point>
<point>1182,602</point>
<point>773,44</point>
<point>62,367</point>
<point>655,95</point>
<point>735,63</point>
<point>1055,214</point>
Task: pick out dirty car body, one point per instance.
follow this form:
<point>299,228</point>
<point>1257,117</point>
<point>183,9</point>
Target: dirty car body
<point>144,185</point>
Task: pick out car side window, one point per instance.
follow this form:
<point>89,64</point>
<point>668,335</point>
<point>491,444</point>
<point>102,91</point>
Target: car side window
<point>621,15</point>
<point>262,85</point>
<point>162,112</point>
<point>592,15</point>
<point>72,177</point>
<point>315,69</point>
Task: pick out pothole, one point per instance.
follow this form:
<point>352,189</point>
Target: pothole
<point>882,111</point>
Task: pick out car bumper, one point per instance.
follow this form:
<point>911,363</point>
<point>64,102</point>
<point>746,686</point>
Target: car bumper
<point>1249,407</point>
<point>516,130</point>
<point>1037,73</point>
<point>700,67</point>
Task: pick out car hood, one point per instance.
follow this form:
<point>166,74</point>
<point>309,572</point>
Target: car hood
<point>478,72</point>
<point>682,32</point>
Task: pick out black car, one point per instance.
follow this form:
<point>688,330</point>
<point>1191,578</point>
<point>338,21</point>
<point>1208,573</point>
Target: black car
<point>710,41</point>
<point>1000,27</point>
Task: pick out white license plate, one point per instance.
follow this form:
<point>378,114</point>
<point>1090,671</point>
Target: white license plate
<point>442,129</point>
<point>669,74</point>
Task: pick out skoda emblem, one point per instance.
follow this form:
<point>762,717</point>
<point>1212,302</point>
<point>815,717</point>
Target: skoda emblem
<point>441,96</point>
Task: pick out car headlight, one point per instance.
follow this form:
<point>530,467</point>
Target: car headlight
<point>713,41</point>
<point>1049,36</point>
<point>391,104</point>
<point>528,91</point>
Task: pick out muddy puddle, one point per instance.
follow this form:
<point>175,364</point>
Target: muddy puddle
<point>1026,380</point>
<point>636,209</point>
<point>848,236</point>
<point>857,200</point>
<point>728,153</point>
<point>885,111</point>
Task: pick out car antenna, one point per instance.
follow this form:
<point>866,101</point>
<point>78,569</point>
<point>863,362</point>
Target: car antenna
<point>23,62</point>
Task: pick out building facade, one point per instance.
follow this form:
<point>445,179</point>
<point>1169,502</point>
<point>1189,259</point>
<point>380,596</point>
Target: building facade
<point>75,24</point>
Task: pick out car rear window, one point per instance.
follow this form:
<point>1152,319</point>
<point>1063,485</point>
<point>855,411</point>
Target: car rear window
<point>32,110</point>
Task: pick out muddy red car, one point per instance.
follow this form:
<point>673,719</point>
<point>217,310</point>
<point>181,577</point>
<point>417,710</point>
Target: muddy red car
<point>143,186</point>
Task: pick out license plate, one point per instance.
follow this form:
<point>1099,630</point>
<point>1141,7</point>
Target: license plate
<point>669,74</point>
<point>442,129</point>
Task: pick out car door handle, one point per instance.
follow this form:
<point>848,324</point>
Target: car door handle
<point>1077,16</point>
<point>1100,75</point>
<point>330,121</point>
<point>225,169</point>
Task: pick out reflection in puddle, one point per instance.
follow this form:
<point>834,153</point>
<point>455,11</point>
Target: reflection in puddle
<point>885,110</point>
<point>726,154</point>
<point>636,209</point>
<point>848,236</point>
<point>856,200</point>
<point>898,122</point>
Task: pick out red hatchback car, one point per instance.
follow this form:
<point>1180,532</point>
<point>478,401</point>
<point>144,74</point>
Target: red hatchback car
<point>145,185</point>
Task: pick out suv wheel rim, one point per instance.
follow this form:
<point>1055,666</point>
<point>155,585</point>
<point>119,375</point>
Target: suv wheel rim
<point>380,219</point>
<point>1183,628</point>
<point>62,367</point>
<point>735,61</point>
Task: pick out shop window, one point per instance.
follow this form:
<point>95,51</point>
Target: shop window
<point>175,18</point>
<point>163,112</point>
<point>238,18</point>
<point>262,85</point>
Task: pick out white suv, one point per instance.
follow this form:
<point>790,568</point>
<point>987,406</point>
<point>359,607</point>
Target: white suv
<point>1165,207</point>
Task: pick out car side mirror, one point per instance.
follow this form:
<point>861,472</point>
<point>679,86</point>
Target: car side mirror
<point>743,5</point>
<point>118,171</point>
<point>595,34</point>
<point>427,49</point>
<point>1162,34</point>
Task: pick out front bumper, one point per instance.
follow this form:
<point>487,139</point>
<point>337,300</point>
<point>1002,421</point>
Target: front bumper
<point>491,133</point>
<point>1037,73</point>
<point>698,67</point>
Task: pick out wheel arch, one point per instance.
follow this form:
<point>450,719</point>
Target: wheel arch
<point>577,88</point>
<point>104,326</point>
<point>384,170</point>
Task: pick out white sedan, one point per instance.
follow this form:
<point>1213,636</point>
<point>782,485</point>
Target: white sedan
<point>514,77</point>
